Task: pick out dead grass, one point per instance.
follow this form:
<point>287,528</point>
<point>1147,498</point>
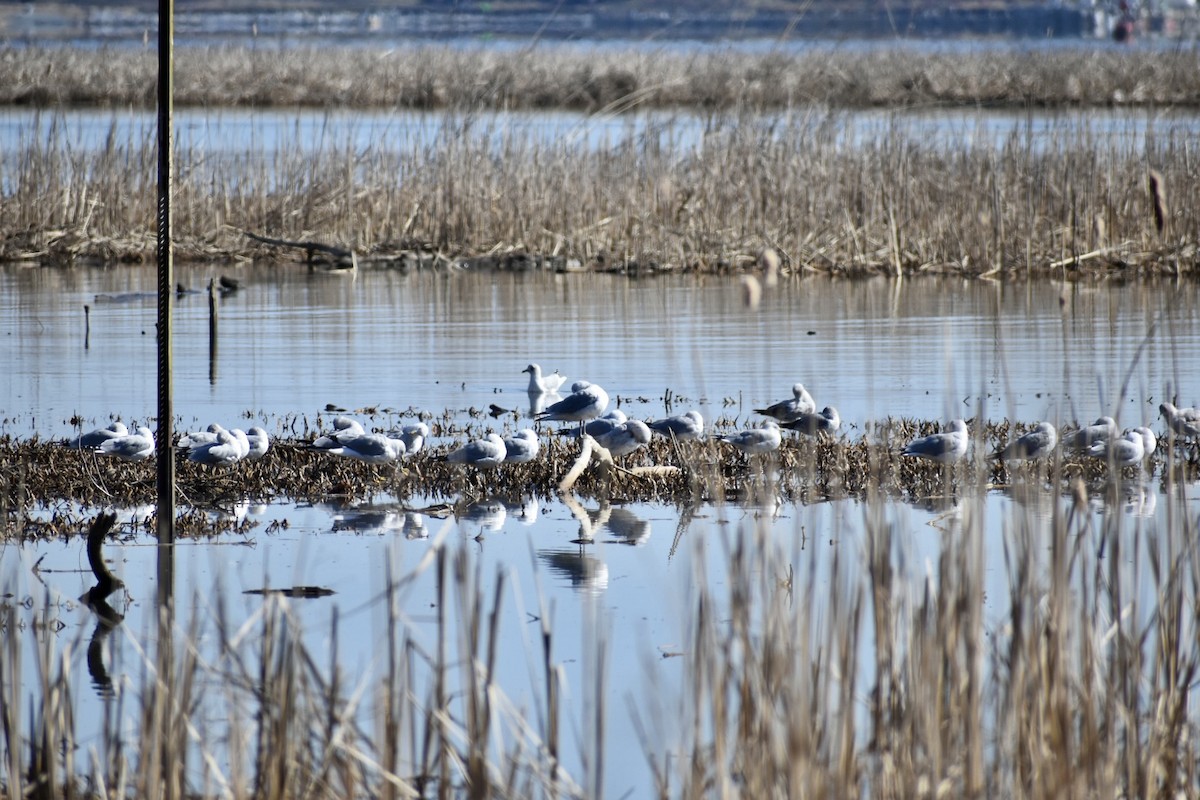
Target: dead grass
<point>613,78</point>
<point>880,674</point>
<point>693,194</point>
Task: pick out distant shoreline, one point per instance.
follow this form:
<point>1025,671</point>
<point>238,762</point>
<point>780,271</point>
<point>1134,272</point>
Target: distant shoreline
<point>381,25</point>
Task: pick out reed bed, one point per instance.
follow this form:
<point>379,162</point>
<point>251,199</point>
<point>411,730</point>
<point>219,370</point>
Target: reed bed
<point>590,79</point>
<point>1075,198</point>
<point>877,675</point>
<point>51,487</point>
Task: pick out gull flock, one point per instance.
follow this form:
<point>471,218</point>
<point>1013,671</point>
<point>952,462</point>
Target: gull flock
<point>585,410</point>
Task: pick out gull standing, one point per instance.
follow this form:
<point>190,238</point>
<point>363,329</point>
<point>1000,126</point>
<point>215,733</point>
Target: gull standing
<point>601,425</point>
<point>824,421</point>
<point>755,441</point>
<point>414,437</point>
<point>373,448</point>
<point>1103,429</point>
<point>788,410</point>
<point>625,438</point>
<point>224,451</point>
<point>260,443</point>
<point>486,452</point>
<point>343,428</point>
<point>684,427</point>
<point>130,447</point>
<point>945,448</point>
<point>522,447</point>
<point>543,384</point>
<point>1149,441</point>
<point>93,439</point>
<point>1036,444</point>
<point>585,404</point>
<point>1127,451</point>
<point>1185,422</point>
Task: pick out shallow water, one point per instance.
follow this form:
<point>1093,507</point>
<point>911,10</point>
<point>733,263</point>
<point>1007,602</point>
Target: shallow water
<point>289,342</point>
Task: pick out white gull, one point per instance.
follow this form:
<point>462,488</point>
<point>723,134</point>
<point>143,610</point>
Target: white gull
<point>625,438</point>
<point>543,384</point>
<point>684,427</point>
<point>93,439</point>
<point>486,452</point>
<point>755,441</point>
<point>944,448</point>
<point>1031,446</point>
<point>522,447</point>
<point>787,410</point>
<point>130,447</point>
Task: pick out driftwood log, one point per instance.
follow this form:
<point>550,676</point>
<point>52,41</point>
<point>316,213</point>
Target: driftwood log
<point>341,257</point>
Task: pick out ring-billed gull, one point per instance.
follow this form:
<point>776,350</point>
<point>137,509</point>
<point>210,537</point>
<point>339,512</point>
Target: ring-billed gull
<point>130,447</point>
<point>414,437</point>
<point>787,410</point>
<point>813,422</point>
<point>260,443</point>
<point>543,384</point>
<point>1184,422</point>
<point>1126,451</point>
<point>1149,441</point>
<point>755,441</point>
<point>373,448</point>
<point>605,423</point>
<point>522,447</point>
<point>93,439</point>
<point>585,404</point>
<point>1036,444</point>
<point>684,427</point>
<point>224,451</point>
<point>625,438</point>
<point>486,452</point>
<point>947,447</point>
<point>197,438</point>
<point>343,428</point>
<point>1103,429</point>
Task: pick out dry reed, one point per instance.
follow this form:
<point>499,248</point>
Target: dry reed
<point>703,195</point>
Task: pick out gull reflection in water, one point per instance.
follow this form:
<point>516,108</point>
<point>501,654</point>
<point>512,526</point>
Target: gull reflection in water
<point>627,527</point>
<point>482,515</point>
<point>525,510</point>
<point>585,573</point>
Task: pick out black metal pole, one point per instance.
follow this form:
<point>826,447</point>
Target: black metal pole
<point>166,283</point>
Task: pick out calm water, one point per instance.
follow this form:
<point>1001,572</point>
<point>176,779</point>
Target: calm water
<point>289,342</point>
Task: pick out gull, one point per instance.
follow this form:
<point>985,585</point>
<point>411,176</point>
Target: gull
<point>130,447</point>
<point>606,423</point>
<point>373,448</point>
<point>243,441</point>
<point>93,439</point>
<point>944,448</point>
<point>1149,441</point>
<point>625,438</point>
<point>198,438</point>
<point>343,428</point>
<point>1127,451</point>
<point>543,384</point>
<point>684,427</point>
<point>1037,443</point>
<point>1103,429</point>
<point>522,447</point>
<point>813,422</point>
<point>414,437</point>
<point>224,451</point>
<point>585,404</point>
<point>787,410</point>
<point>259,443</point>
<point>1184,422</point>
<point>755,441</point>
<point>486,452</point>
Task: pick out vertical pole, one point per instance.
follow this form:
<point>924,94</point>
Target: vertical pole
<point>166,283</point>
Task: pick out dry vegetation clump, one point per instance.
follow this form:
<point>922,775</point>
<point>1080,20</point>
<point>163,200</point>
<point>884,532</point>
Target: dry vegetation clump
<point>45,475</point>
<point>830,194</point>
<point>592,79</point>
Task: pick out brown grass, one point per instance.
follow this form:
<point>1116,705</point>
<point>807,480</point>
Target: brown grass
<point>880,675</point>
<point>613,78</point>
<point>1069,201</point>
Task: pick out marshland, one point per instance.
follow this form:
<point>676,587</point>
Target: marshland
<point>690,622</point>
